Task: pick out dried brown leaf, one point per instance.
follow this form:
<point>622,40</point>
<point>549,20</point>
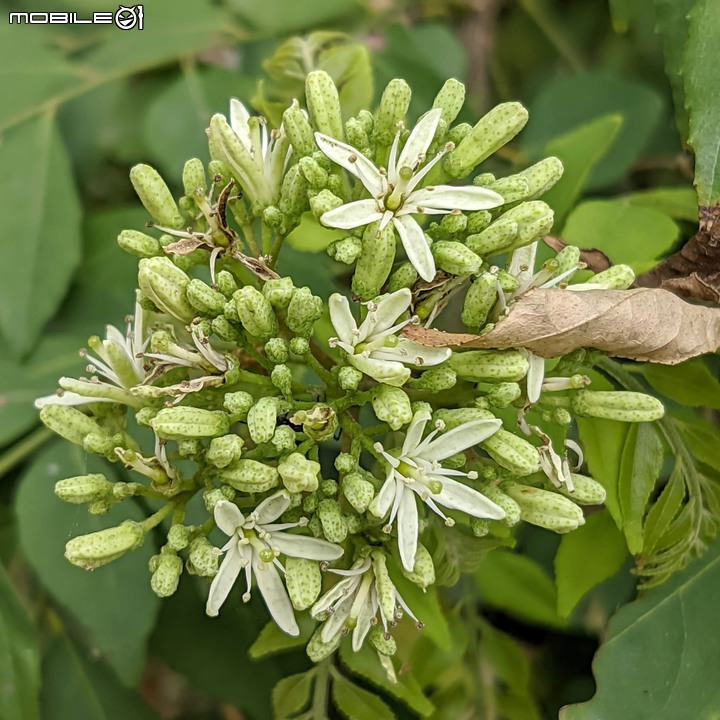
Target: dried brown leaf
<point>641,324</point>
<point>185,246</point>
<point>257,267</point>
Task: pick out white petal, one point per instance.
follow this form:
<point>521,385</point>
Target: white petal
<point>228,517</point>
<point>335,623</point>
<point>449,197</point>
<point>272,507</point>
<point>420,139</point>
<point>275,596</point>
<point>331,596</point>
<point>415,431</point>
<point>457,496</point>
<point>459,439</point>
<point>427,355</point>
<point>352,215</point>
<point>70,398</point>
<point>535,376</point>
<point>301,546</point>
<point>389,309</point>
<point>408,529</point>
<point>382,502</point>
<point>390,373</point>
<point>363,623</point>
<point>416,247</point>
<point>342,318</point>
<point>224,580</point>
<point>239,117</point>
<point>359,166</point>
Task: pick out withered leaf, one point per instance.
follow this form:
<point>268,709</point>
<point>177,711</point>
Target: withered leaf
<point>641,324</point>
<point>184,246</point>
<point>255,266</point>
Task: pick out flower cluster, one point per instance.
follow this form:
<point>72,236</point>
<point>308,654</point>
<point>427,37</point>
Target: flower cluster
<point>241,398</point>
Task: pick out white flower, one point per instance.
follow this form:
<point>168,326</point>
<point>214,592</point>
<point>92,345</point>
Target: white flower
<point>374,348</point>
<point>395,193</point>
<point>255,542</point>
<point>416,470</point>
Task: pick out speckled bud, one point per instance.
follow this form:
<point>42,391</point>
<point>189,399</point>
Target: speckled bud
<point>299,474</point>
<point>224,450</point>
<point>165,284</point>
<point>304,310</point>
<point>504,394</point>
<point>202,558</point>
<point>542,176</point>
<point>375,261</point>
<point>226,283</point>
<point>501,498</point>
<point>303,580</point>
<point>392,405</point>
<point>155,195</point>
<point>250,476</point>
<point>357,136</point>
<point>281,377</point>
<point>454,417</point>
<point>293,192</point>
<point>455,258</point>
<point>333,523</point>
<point>323,202</point>
<point>392,109</point>
<point>534,219</point>
<point>349,378</point>
<point>436,379</point>
<point>297,126</point>
<point>204,299</point>
<point>279,292</point>
<point>139,244</point>
<point>357,491</point>
<point>494,238</point>
<point>99,548</point>
<point>283,438</point>
<point>323,104</point>
<point>83,488</point>
<point>512,188</point>
<point>586,491</point>
<point>423,572</point>
<point>450,99</point>
<point>237,404</point>
<point>261,419</point>
<point>492,366</point>
<point>178,537</point>
<point>255,313</point>
<point>512,452</point>
<point>212,497</point>
<point>70,423</point>
<point>346,250</point>
<point>617,277</point>
<point>546,509</point>
<point>617,405</point>
<point>184,422</point>
<point>316,176</point>
<point>383,584</point>
<point>299,346</point>
<point>382,641</point>
<point>477,221</point>
<point>479,300</point>
<point>166,572</point>
<point>193,176</point>
<point>480,526</point>
<point>276,350</point>
<point>318,650</point>
<point>404,276</point>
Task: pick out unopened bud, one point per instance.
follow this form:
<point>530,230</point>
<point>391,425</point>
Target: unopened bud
<point>303,580</point>
<point>283,438</point>
<point>333,523</point>
<point>375,261</point>
<point>423,572</point>
<point>184,422</point>
<point>139,244</point>
<point>202,557</point>
<point>494,238</point>
<point>237,404</point>
<point>450,99</point>
<point>357,136</point>
<point>323,103</point>
<point>382,641</point>
<point>99,548</point>
<point>392,110</point>
<point>504,394</point>
<point>512,452</point>
<point>165,284</point>
<point>346,250</point>
<point>255,313</point>
<point>542,176</point>
<point>261,419</point>
<point>503,500</point>
<point>480,526</point>
<point>315,175</point>
<point>349,378</point>
<point>70,423</point>
<point>317,649</point>
<point>617,405</point>
<point>586,491</point>
<point>617,277</point>
<point>479,300</point>
<point>178,537</point>
<point>512,188</point>
<point>549,510</point>
<point>455,258</point>
<point>391,405</point>
<point>83,488</point>
<point>166,572</point>
<point>212,497</point>
<point>324,202</point>
<point>534,219</point>
<point>224,450</point>
<point>304,310</point>
<point>155,195</point>
<point>490,366</point>
<point>299,346</point>
<point>250,476</point>
<point>299,474</point>
<point>404,276</point>
<point>204,299</point>
<point>294,192</point>
<point>194,180</point>
<point>298,129</point>
<point>436,379</point>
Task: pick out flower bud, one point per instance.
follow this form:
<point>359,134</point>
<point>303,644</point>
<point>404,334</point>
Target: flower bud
<point>194,179</point>
<point>323,202</point>
<point>237,404</point>
<point>224,450</point>
<point>423,572</point>
<point>139,244</point>
<point>513,188</point>
<point>315,175</point>
<point>455,258</point>
<point>617,405</point>
<point>357,136</point>
<point>226,283</point>
<point>534,219</point>
<point>189,423</point>
<point>545,509</point>
<point>299,474</point>
<point>436,379</point>
<point>189,448</point>
<point>333,523</point>
<point>304,310</point>
<point>303,580</point>
<point>166,572</point>
<point>490,366</point>
<point>391,405</point>
<point>255,313</point>
<point>99,548</point>
<point>383,584</point>
<point>494,238</point>
<point>477,221</point>
<point>404,276</point>
<point>349,378</point>
<point>375,261</point>
<point>250,476</point>
<point>279,292</point>
<point>294,192</point>
<point>455,417</point>
<point>212,497</point>
<point>358,491</point>
<point>504,394</point>
<point>318,650</point>
<point>617,277</point>
<point>178,537</point>
<point>323,104</point>
<point>450,99</point>
<point>392,110</point>
<point>276,350</point>
<point>346,250</point>
<point>586,490</point>
<point>454,223</point>
<point>155,195</point>
<point>480,526</point>
<point>83,488</point>
<point>319,423</point>
<point>261,419</point>
<point>488,135</point>
<point>204,299</point>
<point>165,285</point>
<point>512,452</point>
<point>202,557</point>
<point>479,300</point>
<point>542,176</point>
<point>70,423</point>
<point>297,126</point>
<point>283,438</point>
<point>503,500</point>
<point>281,377</point>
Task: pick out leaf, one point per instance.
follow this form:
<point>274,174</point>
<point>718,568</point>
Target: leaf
<point>19,657</point>
<point>357,704</point>
<point>292,694</point>
<point>679,203</point>
<point>272,639</point>
<point>365,664</point>
<point>703,440</point>
<point>311,237</point>
<point>664,510</point>
<point>702,96</point>
<point>659,651</point>
<point>517,585</point>
<point>641,324</point>
<point>640,467</point>
<point>626,233</point>
<point>690,383</point>
<point>579,150</point>
<point>586,557</point>
<point>77,685</point>
<point>115,603</point>
<point>286,16</point>
<point>41,246</point>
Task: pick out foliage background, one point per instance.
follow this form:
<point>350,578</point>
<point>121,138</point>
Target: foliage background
<point>81,105</point>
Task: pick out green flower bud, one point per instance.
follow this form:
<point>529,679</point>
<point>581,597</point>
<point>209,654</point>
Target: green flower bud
<point>299,474</point>
<point>155,195</point>
<point>237,404</point>
<point>490,366</point>
<point>277,350</point>
<point>283,438</point>
<point>512,452</point>
<point>479,300</point>
<point>166,574</point>
<point>586,490</point>
<point>250,476</point>
<point>494,238</point>
<point>477,221</point>
<point>392,110</point>
<point>315,175</point>
<point>224,450</point>
<point>450,99</point>
<point>261,419</point>
<point>70,423</point>
<point>319,423</point>
<point>480,526</point>
<point>329,488</point>
<point>309,505</point>
<point>303,580</point>
<point>178,537</point>
<point>299,346</point>
<point>224,329</point>
<point>346,250</point>
<point>255,313</point>
<point>404,276</point>
<point>323,202</point>
<point>542,176</point>
<point>83,488</point>
<point>391,405</point>
<point>212,497</point>
<point>349,378</point>
<point>297,126</point>
<point>382,641</point>
<point>454,223</point>
<point>345,463</point>
<point>617,405</point>
<point>294,192</point>
<point>455,258</point>
<point>375,261</point>
<point>436,379</point>
<point>488,135</point>
<point>358,491</point>
<point>139,244</point>
<point>366,120</point>
<point>189,423</point>
<point>323,103</point>
<point>99,444</point>
<point>423,572</point>
<point>534,219</point>
<point>357,136</point>
<point>189,448</point>
<point>617,277</point>
<point>281,377</point>
<point>144,415</point>
<point>504,394</point>
<point>165,285</point>
<point>501,498</point>
<point>99,548</point>
<point>194,180</point>
<point>333,523</point>
<point>458,133</point>
<point>304,310</point>
<point>455,417</point>
<point>279,292</point>
<point>204,299</point>
<point>226,283</point>
<point>512,188</point>
<point>202,558</point>
<point>545,509</point>
<point>383,584</point>
<point>567,259</point>
<point>318,650</point>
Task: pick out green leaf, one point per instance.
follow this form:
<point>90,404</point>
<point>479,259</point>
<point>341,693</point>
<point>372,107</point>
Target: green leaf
<point>19,657</point>
<point>703,441</point>
<point>365,664</point>
<point>311,237</point>
<point>626,233</point>
<point>679,203</point>
<point>586,557</point>
<point>702,88</point>
<point>661,652</point>
<point>580,150</point>
<point>272,639</point>
<point>357,704</point>
<point>292,694</point>
<point>640,467</point>
<point>690,383</point>
<point>285,16</point>
<point>664,510</point>
<point>41,246</point>
<point>518,585</point>
<point>567,102</point>
<point>115,603</point>
<point>77,685</point>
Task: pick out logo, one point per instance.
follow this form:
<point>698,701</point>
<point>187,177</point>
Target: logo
<point>125,18</point>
